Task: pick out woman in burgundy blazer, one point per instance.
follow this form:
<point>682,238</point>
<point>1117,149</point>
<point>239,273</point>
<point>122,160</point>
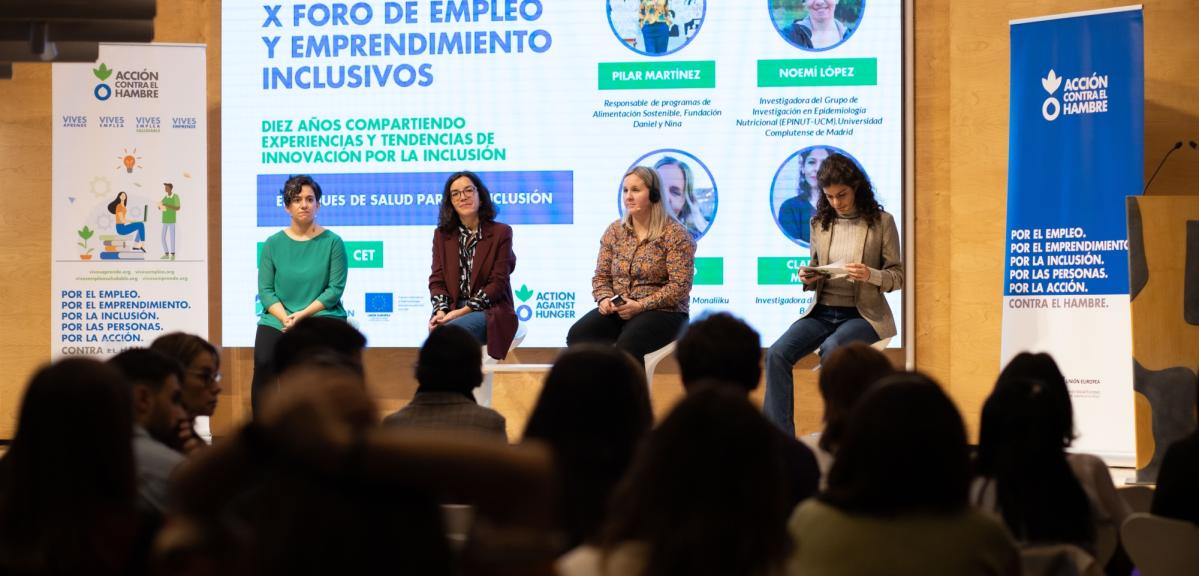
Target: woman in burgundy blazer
<point>472,260</point>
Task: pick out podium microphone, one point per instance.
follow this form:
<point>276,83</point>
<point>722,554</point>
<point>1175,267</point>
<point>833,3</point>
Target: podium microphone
<point>1177,145</point>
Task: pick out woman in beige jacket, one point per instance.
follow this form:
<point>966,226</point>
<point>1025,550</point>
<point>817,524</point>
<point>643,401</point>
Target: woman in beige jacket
<point>850,229</point>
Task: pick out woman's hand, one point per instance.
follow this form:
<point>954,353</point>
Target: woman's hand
<point>452,315</point>
<point>629,309</point>
<point>437,320</point>
<point>606,307</point>
<point>290,321</point>
<point>857,271</point>
<point>808,277</point>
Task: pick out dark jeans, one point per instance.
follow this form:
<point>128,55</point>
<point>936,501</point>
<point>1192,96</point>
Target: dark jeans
<point>264,365</point>
<point>473,322</point>
<point>827,328</point>
<point>656,36</point>
<point>639,335</point>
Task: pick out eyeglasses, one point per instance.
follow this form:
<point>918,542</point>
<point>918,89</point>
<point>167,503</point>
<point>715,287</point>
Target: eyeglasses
<point>206,376</point>
<point>463,193</point>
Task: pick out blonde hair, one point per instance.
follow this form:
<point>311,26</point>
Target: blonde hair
<point>658,218</point>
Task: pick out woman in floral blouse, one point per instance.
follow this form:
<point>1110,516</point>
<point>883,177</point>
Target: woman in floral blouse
<point>647,259</point>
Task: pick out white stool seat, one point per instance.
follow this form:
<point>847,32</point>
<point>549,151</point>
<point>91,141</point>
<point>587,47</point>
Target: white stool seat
<point>651,362</point>
<point>483,392</point>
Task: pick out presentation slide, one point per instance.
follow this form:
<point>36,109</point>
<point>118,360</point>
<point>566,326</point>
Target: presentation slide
<point>551,102</point>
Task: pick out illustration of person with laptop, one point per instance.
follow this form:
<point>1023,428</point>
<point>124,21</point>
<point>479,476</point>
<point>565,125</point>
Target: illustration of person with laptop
<point>117,247</point>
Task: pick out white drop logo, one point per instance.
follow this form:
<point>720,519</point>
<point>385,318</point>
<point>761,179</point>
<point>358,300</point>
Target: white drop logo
<point>1051,108</point>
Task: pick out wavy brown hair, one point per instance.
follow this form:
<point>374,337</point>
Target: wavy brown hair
<point>839,169</point>
<point>447,217</point>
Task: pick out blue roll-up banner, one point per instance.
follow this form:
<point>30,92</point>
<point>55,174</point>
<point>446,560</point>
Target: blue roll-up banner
<point>1076,148</point>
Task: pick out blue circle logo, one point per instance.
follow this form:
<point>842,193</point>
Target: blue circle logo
<point>524,313</point>
<point>103,92</point>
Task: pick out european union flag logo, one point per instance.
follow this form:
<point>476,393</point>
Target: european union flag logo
<point>379,302</point>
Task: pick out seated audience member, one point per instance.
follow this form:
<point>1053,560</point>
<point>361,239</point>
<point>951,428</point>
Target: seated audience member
<point>1108,509</point>
<point>845,376</point>
<point>593,412</point>
<point>722,348</point>
<point>315,489</point>
<point>67,485</point>
<point>317,333</point>
<point>1022,471</point>
<point>1177,494</point>
<point>157,412</point>
<point>705,495</point>
<point>897,501</point>
<point>448,369</point>
<point>201,384</point>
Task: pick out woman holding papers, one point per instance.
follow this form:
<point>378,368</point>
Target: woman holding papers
<point>855,259</point>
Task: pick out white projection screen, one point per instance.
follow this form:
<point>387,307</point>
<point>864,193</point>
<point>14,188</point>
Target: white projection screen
<point>552,102</point>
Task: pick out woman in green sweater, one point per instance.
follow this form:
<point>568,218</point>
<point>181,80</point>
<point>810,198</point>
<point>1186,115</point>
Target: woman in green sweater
<point>301,273</point>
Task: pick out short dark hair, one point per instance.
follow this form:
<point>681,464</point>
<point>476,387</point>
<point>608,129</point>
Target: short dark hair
<point>450,360</point>
<point>318,333</point>
<point>447,217</point>
<point>1042,368</point>
<point>169,185</point>
<point>845,376</point>
<point>722,347</point>
<point>904,451</point>
<point>294,185</point>
<point>146,367</point>
<point>184,347</point>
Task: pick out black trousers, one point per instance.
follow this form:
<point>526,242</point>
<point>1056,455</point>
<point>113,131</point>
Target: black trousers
<point>639,335</point>
<point>264,365</point>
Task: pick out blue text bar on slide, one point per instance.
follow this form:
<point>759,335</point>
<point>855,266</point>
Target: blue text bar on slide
<point>413,198</point>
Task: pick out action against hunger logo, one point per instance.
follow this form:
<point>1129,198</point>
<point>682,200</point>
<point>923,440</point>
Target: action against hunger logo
<point>554,304</point>
<point>137,84</point>
<point>1051,83</point>
<point>1082,95</point>
<point>102,91</point>
<point>524,312</point>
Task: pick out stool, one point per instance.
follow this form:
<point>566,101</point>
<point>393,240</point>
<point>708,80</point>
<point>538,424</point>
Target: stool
<point>483,391</point>
<point>651,362</point>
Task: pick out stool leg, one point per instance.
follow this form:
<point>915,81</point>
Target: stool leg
<point>483,392</point>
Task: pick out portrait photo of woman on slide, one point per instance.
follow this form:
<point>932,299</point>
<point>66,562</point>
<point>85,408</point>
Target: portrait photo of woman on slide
<point>816,24</point>
<point>656,27</point>
<point>797,209</point>
<point>688,189</point>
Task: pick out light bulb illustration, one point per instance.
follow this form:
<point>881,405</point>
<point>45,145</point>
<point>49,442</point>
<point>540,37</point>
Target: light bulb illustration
<point>129,160</point>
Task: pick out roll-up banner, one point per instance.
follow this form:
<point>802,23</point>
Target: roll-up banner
<point>1075,152</point>
<point>130,207</point>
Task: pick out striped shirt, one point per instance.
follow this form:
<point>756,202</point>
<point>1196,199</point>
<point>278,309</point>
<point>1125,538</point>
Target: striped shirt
<point>847,235</point>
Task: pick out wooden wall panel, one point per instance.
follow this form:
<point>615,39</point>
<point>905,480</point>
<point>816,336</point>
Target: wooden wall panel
<point>24,233</point>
